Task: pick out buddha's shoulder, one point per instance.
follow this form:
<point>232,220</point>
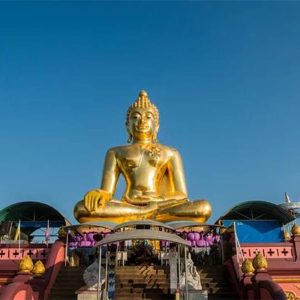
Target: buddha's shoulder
<point>119,149</point>
<point>123,149</point>
<point>168,149</point>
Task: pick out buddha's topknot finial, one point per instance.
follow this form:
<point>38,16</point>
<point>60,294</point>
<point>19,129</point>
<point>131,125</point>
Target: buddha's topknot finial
<point>143,93</point>
<point>143,102</point>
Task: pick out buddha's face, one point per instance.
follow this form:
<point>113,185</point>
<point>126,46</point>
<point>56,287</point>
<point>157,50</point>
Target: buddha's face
<point>142,124</point>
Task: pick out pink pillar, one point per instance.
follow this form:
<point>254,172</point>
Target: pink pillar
<point>296,241</point>
<point>248,288</point>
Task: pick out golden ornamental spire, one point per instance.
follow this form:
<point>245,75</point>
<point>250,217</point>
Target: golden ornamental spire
<point>259,262</point>
<point>296,229</point>
<point>26,264</point>
<point>39,269</point>
<point>247,267</point>
<point>142,101</point>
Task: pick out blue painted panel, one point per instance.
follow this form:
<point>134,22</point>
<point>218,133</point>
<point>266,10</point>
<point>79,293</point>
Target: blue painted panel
<point>254,231</point>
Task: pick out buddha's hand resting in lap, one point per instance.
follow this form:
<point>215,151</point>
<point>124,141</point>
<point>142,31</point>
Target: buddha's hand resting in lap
<point>95,199</point>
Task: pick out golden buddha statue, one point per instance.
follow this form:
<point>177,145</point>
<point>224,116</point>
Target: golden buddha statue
<point>154,175</point>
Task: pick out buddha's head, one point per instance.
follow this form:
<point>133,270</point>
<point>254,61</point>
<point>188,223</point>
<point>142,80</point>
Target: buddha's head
<point>142,120</point>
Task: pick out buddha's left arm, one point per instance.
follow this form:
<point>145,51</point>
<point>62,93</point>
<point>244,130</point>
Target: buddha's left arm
<point>177,177</point>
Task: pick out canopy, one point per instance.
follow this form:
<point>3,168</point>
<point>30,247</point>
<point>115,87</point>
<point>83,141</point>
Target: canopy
<point>33,215</point>
<point>258,210</point>
<point>183,224</point>
<point>108,225</point>
<point>141,223</point>
<point>142,234</point>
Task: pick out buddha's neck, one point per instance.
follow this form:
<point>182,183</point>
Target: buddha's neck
<point>144,141</point>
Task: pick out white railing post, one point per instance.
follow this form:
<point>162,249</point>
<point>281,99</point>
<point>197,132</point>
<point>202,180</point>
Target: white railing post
<point>238,249</point>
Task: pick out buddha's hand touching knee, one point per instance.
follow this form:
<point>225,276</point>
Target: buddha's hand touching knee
<point>95,199</point>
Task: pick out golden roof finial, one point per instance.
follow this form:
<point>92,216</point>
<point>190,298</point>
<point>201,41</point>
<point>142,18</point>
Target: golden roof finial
<point>259,262</point>
<point>296,229</point>
<point>247,267</point>
<point>62,233</point>
<point>26,264</point>
<point>143,94</point>
<point>286,235</point>
<point>38,269</point>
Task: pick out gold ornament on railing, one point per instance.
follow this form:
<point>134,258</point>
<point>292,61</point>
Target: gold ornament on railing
<point>222,230</point>
<point>247,267</point>
<point>286,236</point>
<point>38,269</point>
<point>259,262</point>
<point>62,233</point>
<point>296,229</point>
<point>26,264</point>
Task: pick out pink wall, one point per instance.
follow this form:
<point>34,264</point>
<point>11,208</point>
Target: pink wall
<point>269,251</point>
<point>25,287</point>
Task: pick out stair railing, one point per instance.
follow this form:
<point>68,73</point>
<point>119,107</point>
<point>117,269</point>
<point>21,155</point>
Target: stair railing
<point>239,252</point>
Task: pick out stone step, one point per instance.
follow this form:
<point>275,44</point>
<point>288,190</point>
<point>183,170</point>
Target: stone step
<point>61,296</point>
<point>144,297</point>
<point>141,284</point>
<point>135,290</point>
<point>142,275</point>
<point>221,297</point>
<point>69,280</point>
<point>65,289</point>
<point>126,278</point>
<point>131,282</point>
<point>72,269</point>
<point>66,284</point>
<point>139,280</point>
<point>137,273</point>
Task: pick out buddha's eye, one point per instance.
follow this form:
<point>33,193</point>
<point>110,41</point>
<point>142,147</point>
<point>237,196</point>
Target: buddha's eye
<point>149,116</point>
<point>135,116</point>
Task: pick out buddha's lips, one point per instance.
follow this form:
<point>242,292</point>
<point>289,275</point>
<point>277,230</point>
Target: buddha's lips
<point>142,128</point>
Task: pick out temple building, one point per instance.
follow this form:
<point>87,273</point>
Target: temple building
<point>154,242</point>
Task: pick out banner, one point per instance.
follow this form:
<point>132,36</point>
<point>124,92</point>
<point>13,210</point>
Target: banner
<point>18,231</point>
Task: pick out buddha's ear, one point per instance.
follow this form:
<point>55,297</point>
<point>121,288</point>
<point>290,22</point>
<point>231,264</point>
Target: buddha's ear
<point>129,140</point>
<point>155,135</point>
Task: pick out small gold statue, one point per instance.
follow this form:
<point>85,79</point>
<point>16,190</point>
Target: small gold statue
<point>154,175</point>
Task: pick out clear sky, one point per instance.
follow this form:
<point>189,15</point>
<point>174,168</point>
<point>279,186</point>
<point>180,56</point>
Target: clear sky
<point>224,75</point>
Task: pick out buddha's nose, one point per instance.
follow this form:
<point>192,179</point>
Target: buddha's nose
<point>143,120</point>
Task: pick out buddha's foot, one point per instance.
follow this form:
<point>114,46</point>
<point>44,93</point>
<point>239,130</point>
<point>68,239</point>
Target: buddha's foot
<point>198,211</point>
<point>120,211</point>
<point>114,211</point>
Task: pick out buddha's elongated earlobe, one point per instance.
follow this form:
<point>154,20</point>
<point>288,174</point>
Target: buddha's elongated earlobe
<point>154,139</point>
<point>129,138</point>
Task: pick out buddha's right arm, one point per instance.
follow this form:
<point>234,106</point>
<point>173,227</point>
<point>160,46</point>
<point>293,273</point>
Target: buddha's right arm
<point>111,172</point>
<point>97,198</point>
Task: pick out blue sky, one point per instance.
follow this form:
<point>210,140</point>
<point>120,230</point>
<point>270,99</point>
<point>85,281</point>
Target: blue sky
<point>224,75</point>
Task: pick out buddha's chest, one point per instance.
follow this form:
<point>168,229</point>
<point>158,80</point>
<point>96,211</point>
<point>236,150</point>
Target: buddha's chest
<point>150,159</point>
